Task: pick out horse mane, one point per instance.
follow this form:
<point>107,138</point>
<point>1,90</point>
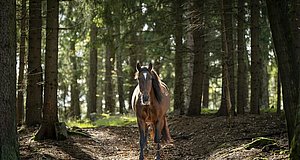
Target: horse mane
<point>156,86</point>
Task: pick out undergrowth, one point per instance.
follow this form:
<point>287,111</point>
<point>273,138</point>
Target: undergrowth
<point>104,120</point>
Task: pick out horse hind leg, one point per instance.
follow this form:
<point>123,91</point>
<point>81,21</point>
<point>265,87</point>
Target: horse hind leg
<point>157,136</point>
<point>166,136</point>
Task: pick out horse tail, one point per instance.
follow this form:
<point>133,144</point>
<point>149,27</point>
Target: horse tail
<point>165,133</point>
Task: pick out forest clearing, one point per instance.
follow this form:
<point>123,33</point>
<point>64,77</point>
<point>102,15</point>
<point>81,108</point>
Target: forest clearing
<point>204,137</point>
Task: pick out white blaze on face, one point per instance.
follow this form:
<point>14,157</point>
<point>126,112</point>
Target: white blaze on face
<point>145,75</point>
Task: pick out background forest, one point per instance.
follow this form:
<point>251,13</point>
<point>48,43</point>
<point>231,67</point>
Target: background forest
<point>76,59</point>
<point>100,43</point>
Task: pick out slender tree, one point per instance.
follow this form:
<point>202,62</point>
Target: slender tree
<point>8,135</point>
<point>109,59</point>
<point>242,82</point>
<point>75,104</point>
<point>264,45</point>
<point>50,117</point>
<point>34,75</point>
<point>21,85</point>
<point>198,69</point>
<point>178,90</point>
<point>92,103</point>
<point>75,74</point>
<point>228,85</point>
<point>119,58</point>
<point>255,59</point>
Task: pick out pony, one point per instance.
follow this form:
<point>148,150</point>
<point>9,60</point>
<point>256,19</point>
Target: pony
<point>151,101</point>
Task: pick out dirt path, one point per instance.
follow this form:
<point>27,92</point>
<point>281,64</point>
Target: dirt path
<point>205,137</point>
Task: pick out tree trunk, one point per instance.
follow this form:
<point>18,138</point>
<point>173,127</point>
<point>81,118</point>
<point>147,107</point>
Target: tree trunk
<point>178,90</point>
<point>264,84</point>
<point>119,58</point>
<point>255,59</point>
<point>109,61</point>
<point>242,82</point>
<point>206,82</point>
<point>132,70</point>
<point>21,85</point>
<point>50,118</point>
<point>197,80</point>
<point>75,104</point>
<point>34,77</point>
<point>264,52</point>
<point>228,90</point>
<point>228,22</point>
<point>92,103</point>
<point>222,110</point>
<point>288,64</point>
<point>278,94</point>
<point>8,135</point>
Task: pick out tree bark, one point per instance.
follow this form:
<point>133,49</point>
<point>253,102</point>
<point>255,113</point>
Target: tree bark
<point>21,85</point>
<point>228,87</point>
<point>228,21</point>
<point>288,64</point>
<point>8,136</point>
<point>264,51</point>
<point>109,61</point>
<point>92,103</point>
<point>206,82</point>
<point>75,104</point>
<point>255,59</point>
<point>34,76</point>
<point>119,57</point>
<point>178,90</point>
<point>198,69</point>
<point>278,94</point>
<point>50,118</point>
<point>242,82</point>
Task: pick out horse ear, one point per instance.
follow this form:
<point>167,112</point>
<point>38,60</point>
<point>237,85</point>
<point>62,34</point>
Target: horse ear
<point>138,66</point>
<point>150,66</point>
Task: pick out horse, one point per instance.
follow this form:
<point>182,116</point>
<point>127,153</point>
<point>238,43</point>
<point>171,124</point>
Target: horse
<point>151,101</point>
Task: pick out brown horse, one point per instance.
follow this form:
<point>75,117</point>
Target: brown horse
<point>150,101</point>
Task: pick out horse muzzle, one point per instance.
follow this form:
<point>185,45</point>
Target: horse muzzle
<point>145,99</point>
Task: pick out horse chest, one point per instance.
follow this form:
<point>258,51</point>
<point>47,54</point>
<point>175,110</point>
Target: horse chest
<point>149,114</point>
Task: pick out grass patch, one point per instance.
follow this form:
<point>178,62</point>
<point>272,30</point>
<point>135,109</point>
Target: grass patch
<point>268,110</point>
<point>104,120</point>
<point>80,124</point>
<point>115,121</point>
<point>208,111</point>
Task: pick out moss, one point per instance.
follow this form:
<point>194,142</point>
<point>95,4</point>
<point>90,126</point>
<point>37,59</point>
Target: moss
<point>260,143</point>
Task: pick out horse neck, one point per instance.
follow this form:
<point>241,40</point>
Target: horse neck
<point>152,93</point>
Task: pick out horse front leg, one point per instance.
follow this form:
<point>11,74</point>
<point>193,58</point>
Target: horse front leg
<point>142,127</point>
<point>157,137</point>
<point>146,138</point>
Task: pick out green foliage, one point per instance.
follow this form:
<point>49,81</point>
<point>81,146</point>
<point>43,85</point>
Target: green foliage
<point>104,120</point>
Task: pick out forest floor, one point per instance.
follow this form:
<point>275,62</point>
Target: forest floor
<point>203,137</point>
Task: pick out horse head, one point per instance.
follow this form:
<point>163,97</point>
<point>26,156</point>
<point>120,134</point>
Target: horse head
<point>144,77</point>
